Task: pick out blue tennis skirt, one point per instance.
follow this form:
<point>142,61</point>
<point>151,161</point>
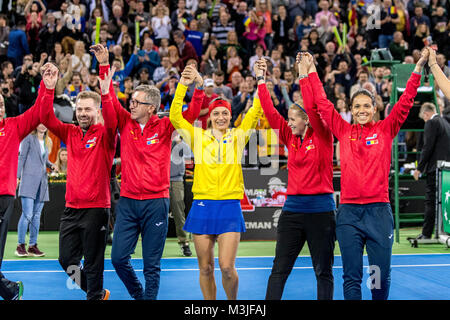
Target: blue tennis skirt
<point>215,217</point>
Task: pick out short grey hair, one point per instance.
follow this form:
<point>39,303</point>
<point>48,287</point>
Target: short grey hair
<point>427,107</point>
<point>152,94</point>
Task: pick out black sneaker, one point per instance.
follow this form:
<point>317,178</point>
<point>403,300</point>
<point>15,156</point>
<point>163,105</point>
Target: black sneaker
<point>422,237</point>
<point>19,291</point>
<point>185,250</point>
<point>106,294</point>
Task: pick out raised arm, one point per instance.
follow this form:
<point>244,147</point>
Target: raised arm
<point>304,62</point>
<point>122,115</point>
<point>108,112</point>
<point>276,121</point>
<point>195,106</point>
<point>442,81</point>
<point>324,107</point>
<point>46,115</point>
<point>184,127</point>
<point>400,111</point>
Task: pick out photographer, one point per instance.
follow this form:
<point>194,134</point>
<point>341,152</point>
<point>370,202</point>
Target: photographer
<point>11,100</point>
<point>27,83</point>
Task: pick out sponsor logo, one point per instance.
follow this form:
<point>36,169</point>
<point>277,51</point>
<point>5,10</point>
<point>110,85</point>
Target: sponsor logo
<point>201,204</point>
<point>310,147</point>
<point>276,217</point>
<point>272,196</point>
<point>252,225</point>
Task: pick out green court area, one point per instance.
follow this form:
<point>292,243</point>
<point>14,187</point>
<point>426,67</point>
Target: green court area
<point>48,243</point>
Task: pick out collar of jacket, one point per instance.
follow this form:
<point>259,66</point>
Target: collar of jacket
<point>210,134</point>
<point>151,121</point>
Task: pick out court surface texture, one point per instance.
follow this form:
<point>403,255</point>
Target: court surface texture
<point>417,273</point>
<point>414,277</point>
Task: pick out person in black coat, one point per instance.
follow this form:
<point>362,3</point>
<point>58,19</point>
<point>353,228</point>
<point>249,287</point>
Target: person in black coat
<point>281,25</point>
<point>436,146</point>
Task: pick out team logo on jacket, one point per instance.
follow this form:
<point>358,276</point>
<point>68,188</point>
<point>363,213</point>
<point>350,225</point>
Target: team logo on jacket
<point>91,143</point>
<point>153,139</point>
<point>310,146</point>
<point>228,139</point>
<point>372,140</point>
<point>2,132</point>
<point>134,136</point>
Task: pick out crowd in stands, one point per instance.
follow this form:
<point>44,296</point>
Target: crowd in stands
<point>223,38</point>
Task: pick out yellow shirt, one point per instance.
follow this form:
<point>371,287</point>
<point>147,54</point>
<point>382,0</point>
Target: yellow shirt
<point>218,171</point>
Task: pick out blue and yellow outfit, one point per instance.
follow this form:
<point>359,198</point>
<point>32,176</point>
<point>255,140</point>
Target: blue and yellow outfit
<point>218,181</point>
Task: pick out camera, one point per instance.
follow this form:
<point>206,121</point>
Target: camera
<point>5,90</point>
<point>30,67</point>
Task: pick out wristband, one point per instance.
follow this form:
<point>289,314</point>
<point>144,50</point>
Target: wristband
<point>302,76</point>
<point>433,64</point>
<point>259,78</point>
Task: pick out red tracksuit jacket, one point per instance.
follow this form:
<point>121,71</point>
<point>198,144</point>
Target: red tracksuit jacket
<point>365,150</point>
<point>12,132</point>
<point>90,158</point>
<point>145,154</point>
<point>310,162</point>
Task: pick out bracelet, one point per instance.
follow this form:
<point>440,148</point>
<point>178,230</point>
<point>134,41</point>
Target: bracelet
<point>259,78</point>
<point>302,76</point>
<point>433,64</point>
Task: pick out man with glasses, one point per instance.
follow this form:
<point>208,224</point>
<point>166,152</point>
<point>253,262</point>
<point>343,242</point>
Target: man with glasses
<point>143,206</point>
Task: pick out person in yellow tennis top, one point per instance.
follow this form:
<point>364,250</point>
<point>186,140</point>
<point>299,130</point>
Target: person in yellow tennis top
<point>218,187</point>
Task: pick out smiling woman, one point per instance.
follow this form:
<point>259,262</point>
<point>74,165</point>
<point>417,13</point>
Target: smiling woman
<point>308,213</point>
<point>216,213</point>
<point>364,217</point>
<point>363,106</point>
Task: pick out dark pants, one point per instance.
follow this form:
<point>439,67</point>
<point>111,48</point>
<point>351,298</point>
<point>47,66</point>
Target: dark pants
<point>150,219</point>
<point>177,207</point>
<point>82,233</point>
<point>7,287</point>
<point>318,230</point>
<point>430,205</point>
<point>370,225</point>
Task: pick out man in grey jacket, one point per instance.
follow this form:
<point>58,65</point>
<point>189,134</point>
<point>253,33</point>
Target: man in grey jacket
<point>177,169</point>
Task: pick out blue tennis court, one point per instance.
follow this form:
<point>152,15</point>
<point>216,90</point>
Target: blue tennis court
<point>414,277</point>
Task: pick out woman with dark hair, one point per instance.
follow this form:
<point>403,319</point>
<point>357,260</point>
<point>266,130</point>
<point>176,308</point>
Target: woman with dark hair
<point>308,213</point>
<point>316,47</point>
<point>364,217</point>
